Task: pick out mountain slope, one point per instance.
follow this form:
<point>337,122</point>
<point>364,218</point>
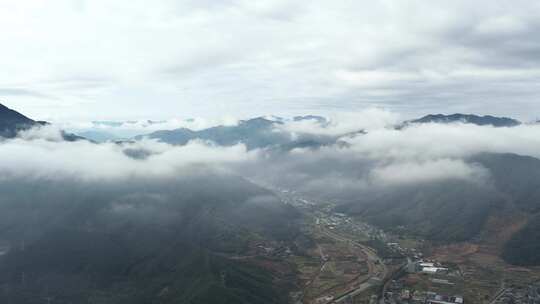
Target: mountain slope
<point>12,122</point>
<point>139,241</point>
<point>449,211</point>
<point>523,248</point>
<point>455,211</point>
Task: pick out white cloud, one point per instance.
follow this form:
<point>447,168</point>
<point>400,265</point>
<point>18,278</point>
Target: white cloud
<point>428,141</point>
<point>429,171</point>
<point>339,123</point>
<point>39,157</point>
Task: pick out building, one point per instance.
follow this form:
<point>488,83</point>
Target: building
<point>434,298</point>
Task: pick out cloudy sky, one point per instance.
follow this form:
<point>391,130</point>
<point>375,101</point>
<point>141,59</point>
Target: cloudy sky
<point>101,59</point>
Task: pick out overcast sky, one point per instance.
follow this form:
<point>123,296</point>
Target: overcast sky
<point>103,59</point>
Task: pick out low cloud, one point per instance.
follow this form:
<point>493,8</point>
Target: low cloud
<point>340,123</point>
<point>429,141</point>
<point>382,157</point>
<point>41,154</point>
<point>430,171</point>
<point>387,157</point>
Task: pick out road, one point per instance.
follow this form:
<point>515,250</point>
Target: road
<point>377,271</point>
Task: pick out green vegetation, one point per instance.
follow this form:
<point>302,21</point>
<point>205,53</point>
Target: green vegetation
<point>142,242</point>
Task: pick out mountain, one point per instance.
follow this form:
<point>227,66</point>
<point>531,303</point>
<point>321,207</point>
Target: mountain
<point>254,133</point>
<point>444,212</point>
<point>141,241</point>
<point>455,210</point>
<point>467,118</point>
<point>524,246</point>
<point>518,178</point>
<point>11,122</point>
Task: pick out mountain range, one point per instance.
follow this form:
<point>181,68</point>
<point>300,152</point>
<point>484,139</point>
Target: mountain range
<point>467,119</point>
<point>140,241</point>
<point>255,133</point>
<point>263,133</point>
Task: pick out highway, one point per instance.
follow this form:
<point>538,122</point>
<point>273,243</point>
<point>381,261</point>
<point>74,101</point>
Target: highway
<point>377,271</point>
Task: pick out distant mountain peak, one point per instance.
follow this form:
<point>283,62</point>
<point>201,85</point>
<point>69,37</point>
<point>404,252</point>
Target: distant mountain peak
<point>259,122</point>
<point>486,120</point>
<point>12,122</point>
<point>319,119</point>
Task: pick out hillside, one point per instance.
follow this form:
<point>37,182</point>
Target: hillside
<point>11,122</point>
<point>143,241</point>
<point>524,246</point>
<point>455,211</point>
<point>450,211</point>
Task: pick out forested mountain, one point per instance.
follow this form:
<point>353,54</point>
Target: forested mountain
<point>139,241</point>
<point>456,210</point>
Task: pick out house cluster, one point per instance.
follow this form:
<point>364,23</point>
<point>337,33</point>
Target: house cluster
<point>398,294</point>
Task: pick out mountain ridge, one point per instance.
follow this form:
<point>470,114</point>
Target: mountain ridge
<point>486,120</point>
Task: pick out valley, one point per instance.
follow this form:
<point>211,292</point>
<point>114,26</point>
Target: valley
<point>343,266</point>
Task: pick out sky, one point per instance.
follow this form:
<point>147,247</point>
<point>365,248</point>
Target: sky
<point>82,60</point>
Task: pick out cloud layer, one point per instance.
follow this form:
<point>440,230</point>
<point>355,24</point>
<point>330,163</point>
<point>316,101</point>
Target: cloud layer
<point>41,153</point>
<point>382,157</point>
